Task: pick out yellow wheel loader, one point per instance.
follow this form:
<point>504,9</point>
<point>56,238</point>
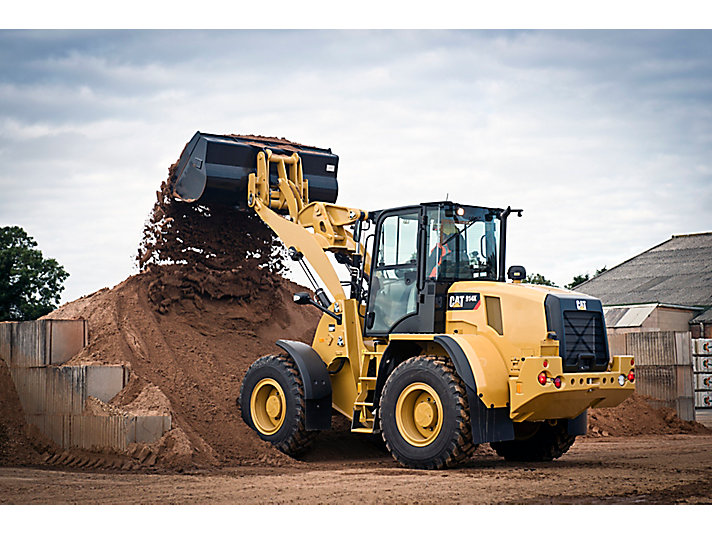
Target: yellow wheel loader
<point>432,348</point>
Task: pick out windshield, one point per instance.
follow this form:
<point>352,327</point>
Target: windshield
<point>462,243</point>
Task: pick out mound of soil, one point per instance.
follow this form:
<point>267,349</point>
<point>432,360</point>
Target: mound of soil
<point>188,336</point>
<point>640,415</point>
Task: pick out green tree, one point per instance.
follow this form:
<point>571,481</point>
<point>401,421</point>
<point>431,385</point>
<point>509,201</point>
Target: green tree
<point>539,279</point>
<point>581,278</point>
<point>30,285</point>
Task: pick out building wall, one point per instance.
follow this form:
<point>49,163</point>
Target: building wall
<point>668,320</point>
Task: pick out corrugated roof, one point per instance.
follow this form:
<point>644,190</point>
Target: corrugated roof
<point>627,316</point>
<point>703,317</point>
<point>678,271</point>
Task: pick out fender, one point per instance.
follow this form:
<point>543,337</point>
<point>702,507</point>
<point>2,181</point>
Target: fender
<point>489,423</point>
<point>317,385</point>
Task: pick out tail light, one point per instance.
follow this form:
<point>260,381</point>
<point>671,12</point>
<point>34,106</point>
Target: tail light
<point>542,378</point>
<point>631,376</point>
<point>557,382</point>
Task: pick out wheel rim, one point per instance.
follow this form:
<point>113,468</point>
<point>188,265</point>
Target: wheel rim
<point>419,414</point>
<point>268,406</point>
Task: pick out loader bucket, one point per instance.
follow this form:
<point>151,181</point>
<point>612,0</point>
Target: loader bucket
<point>214,169</point>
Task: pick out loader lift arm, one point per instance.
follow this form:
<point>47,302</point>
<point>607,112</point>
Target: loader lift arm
<point>328,221</point>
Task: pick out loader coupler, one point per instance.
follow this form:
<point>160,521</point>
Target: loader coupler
<point>214,169</point>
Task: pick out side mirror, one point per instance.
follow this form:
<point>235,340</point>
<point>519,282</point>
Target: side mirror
<point>516,273</point>
<point>302,298</point>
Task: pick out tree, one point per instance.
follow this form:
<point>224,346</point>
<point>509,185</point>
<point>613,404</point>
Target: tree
<point>30,285</point>
<point>581,278</point>
<point>538,279</point>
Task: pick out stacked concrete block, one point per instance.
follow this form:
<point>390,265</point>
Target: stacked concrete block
<point>702,366</point>
<point>53,396</point>
<point>663,367</point>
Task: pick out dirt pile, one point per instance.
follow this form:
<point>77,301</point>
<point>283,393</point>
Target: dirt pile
<point>639,415</point>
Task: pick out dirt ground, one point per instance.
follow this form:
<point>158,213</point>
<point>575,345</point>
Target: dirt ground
<point>661,469</point>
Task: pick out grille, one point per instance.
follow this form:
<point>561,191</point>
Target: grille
<point>585,347</point>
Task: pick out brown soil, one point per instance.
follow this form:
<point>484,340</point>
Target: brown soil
<point>632,470</point>
<point>637,416</point>
<point>188,352</point>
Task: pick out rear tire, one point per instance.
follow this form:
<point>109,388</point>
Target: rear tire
<point>544,444</point>
<point>272,404</point>
<point>425,417</point>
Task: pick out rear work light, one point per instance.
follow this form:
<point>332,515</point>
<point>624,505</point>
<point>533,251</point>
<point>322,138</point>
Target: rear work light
<point>621,380</point>
<point>542,378</point>
<point>631,376</point>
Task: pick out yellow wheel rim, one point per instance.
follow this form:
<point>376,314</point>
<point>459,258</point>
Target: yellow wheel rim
<point>419,414</point>
<point>268,406</point>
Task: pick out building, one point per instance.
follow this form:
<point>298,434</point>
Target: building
<point>665,288</point>
<point>658,307</point>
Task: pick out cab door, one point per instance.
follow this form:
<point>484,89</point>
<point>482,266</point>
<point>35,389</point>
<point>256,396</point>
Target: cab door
<point>393,294</point>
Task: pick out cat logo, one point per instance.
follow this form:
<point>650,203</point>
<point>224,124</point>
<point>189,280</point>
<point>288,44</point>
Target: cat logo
<point>581,305</point>
<point>463,301</point>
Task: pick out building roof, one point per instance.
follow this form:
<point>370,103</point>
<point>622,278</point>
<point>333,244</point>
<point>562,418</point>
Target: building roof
<point>705,318</point>
<point>626,316</point>
<point>678,271</point>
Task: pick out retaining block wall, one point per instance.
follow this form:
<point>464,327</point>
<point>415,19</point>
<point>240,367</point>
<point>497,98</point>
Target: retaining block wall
<point>53,396</point>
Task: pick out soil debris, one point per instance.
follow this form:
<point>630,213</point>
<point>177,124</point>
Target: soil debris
<point>640,415</point>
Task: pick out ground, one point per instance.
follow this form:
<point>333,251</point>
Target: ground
<point>660,469</point>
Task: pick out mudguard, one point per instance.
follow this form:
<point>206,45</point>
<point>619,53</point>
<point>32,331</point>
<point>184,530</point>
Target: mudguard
<point>488,423</point>
<point>317,385</point>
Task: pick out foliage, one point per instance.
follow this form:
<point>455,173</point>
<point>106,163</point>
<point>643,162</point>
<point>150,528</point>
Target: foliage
<point>539,279</point>
<point>581,278</point>
<point>30,285</point>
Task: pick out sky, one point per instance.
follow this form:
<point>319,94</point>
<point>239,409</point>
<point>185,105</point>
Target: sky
<point>603,138</point>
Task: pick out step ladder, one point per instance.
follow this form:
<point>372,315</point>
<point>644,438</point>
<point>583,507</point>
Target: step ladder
<point>363,418</point>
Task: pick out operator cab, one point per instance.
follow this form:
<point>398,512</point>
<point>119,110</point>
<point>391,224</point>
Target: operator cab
<point>419,251</point>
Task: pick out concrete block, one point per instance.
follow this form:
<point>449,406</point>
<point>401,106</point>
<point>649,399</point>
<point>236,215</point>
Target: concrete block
<point>657,382</point>
<point>685,380</point>
<point>703,381</point>
<point>150,428</point>
<point>28,344</point>
<point>51,390</point>
<point>703,346</point>
<point>686,408</point>
<point>683,352</point>
<point>105,381</point>
<point>55,427</point>
<point>5,342</point>
<point>702,364</point>
<point>100,432</point>
<point>652,348</point>
<point>67,338</point>
<point>703,399</point>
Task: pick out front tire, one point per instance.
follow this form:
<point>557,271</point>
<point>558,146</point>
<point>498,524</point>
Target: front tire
<point>425,414</point>
<point>543,444</point>
<point>272,404</point>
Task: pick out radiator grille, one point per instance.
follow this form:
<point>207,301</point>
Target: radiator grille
<point>585,346</point>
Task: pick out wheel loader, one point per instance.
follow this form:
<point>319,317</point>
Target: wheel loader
<point>426,343</point>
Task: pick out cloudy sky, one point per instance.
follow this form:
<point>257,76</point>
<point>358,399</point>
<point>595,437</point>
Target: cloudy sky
<point>604,138</point>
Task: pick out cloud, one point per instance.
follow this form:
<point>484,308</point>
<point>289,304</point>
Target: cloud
<point>602,137</point>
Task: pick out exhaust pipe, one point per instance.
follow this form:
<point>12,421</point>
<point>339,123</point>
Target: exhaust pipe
<point>214,169</point>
